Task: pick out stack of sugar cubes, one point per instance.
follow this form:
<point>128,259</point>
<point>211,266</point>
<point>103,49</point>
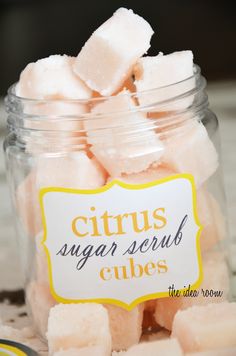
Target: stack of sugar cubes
<point>122,141</point>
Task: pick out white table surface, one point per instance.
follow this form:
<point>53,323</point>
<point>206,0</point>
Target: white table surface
<point>222,97</point>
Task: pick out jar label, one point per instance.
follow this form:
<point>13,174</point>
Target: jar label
<point>121,243</point>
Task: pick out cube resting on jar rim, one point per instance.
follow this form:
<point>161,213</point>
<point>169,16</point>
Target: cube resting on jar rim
<point>50,78</point>
<point>52,81</point>
<point>207,327</point>
<point>161,71</point>
<point>125,326</point>
<point>107,58</point>
<point>78,326</point>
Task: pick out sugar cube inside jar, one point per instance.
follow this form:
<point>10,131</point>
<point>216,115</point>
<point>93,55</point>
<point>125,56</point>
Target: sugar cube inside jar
<point>113,166</point>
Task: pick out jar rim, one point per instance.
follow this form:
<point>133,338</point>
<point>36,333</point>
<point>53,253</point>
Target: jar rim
<point>172,102</point>
<point>197,74</point>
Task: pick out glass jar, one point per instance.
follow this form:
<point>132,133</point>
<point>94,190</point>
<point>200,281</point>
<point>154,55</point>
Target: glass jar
<point>119,200</point>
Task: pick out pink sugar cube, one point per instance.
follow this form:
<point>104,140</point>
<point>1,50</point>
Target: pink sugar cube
<point>125,326</point>
<point>78,326</point>
<point>41,301</point>
<point>191,150</point>
<point>84,351</point>
<point>122,138</point>
<point>164,70</point>
<point>27,205</point>
<point>51,78</point>
<point>149,175</point>
<point>76,170</point>
<point>206,327</point>
<point>84,173</point>
<point>215,277</point>
<point>107,58</point>
<point>54,115</point>
<point>168,347</point>
<point>211,218</point>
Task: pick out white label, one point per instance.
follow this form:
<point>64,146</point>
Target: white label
<point>122,243</point>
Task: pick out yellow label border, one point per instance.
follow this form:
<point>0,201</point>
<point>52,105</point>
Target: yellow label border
<point>102,189</point>
<point>13,349</point>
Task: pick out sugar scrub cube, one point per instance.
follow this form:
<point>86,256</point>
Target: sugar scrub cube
<point>147,176</point>
<point>206,327</point>
<point>84,173</point>
<point>122,139</point>
<point>54,115</point>
<point>169,347</point>
<point>40,300</point>
<point>215,277</point>
<point>78,326</point>
<point>219,352</point>
<point>161,71</point>
<point>211,218</point>
<point>107,58</point>
<point>52,78</point>
<point>125,326</point>
<point>84,351</point>
<point>191,150</point>
<point>27,205</point>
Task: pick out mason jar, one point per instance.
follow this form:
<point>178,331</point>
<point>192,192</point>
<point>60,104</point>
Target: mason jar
<point>119,200</point>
